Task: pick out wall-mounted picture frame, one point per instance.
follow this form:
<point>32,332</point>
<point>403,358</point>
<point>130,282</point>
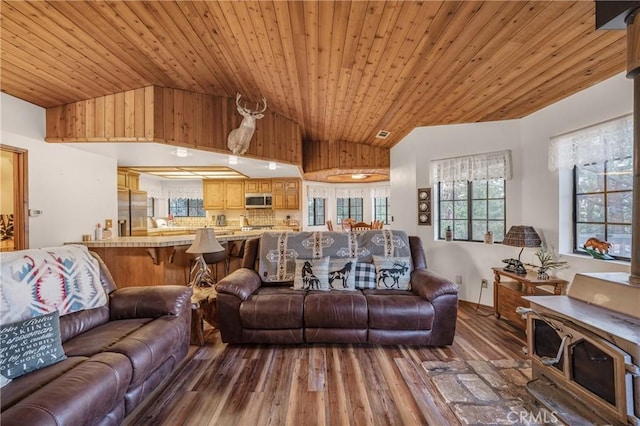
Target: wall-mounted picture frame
<point>424,206</point>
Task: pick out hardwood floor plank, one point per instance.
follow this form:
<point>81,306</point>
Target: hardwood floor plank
<point>333,384</point>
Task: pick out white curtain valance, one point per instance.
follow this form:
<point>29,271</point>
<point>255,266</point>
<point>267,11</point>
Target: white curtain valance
<point>380,192</point>
<point>350,193</point>
<point>490,165</point>
<point>183,192</point>
<point>317,192</point>
<point>605,141</point>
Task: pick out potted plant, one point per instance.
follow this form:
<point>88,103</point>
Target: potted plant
<point>546,262</point>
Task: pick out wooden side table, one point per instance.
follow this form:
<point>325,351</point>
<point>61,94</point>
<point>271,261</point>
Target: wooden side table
<point>203,308</point>
<point>509,287</point>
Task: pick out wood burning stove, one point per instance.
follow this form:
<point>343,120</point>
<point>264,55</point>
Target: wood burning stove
<point>585,350</point>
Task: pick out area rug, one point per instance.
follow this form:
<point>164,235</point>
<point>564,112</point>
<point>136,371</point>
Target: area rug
<point>488,392</point>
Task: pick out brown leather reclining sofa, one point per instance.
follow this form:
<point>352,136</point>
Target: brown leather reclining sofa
<point>116,356</point>
<point>253,311</point>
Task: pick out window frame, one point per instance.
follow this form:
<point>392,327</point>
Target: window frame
<point>313,206</point>
<point>359,217</point>
<point>188,207</point>
<point>469,210</point>
<point>386,214</point>
<point>606,223</point>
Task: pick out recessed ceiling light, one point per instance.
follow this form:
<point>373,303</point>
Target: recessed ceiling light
<point>233,159</point>
<point>383,134</point>
<point>272,165</point>
<point>180,152</point>
<point>358,176</point>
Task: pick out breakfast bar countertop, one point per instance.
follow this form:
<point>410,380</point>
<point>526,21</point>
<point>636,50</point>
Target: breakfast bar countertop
<point>163,241</point>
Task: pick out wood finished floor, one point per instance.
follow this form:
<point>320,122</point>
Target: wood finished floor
<point>323,384</point>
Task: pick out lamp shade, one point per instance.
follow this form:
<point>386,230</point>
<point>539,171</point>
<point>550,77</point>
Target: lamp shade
<point>522,236</point>
<point>205,242</point>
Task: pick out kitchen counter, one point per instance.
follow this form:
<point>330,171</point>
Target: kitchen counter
<point>152,260</point>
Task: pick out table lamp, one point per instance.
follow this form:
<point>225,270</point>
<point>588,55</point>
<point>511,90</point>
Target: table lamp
<point>205,242</point>
<point>520,236</point>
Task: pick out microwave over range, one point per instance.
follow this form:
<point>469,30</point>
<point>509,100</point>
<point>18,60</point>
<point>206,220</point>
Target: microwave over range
<point>257,201</point>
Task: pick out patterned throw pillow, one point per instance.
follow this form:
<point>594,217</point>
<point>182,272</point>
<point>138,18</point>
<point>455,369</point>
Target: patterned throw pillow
<point>311,274</point>
<point>342,274</point>
<point>30,345</point>
<point>365,276</point>
<point>393,272</point>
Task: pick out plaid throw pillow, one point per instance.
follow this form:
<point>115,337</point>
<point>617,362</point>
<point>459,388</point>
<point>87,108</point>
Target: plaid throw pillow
<point>365,276</point>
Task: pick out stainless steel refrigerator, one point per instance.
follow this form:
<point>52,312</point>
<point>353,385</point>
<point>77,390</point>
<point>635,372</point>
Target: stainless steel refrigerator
<point>132,213</point>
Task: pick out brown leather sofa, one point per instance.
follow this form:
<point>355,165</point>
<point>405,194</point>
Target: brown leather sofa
<point>250,311</point>
<point>116,356</point>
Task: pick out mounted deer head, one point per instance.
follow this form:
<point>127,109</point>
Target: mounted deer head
<point>239,139</point>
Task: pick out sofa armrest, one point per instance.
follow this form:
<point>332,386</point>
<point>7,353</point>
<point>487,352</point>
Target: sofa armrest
<point>240,283</point>
<point>148,301</point>
<point>430,285</point>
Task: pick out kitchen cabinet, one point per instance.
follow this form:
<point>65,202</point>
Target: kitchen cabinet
<point>223,194</point>
<point>286,194</point>
<point>259,186</point>
<point>128,179</point>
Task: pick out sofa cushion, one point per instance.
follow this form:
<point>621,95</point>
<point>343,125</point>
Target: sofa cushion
<point>365,276</point>
<point>23,386</point>
<point>335,310</point>
<point>30,344</point>
<point>342,274</point>
<point>101,338</point>
<point>393,272</point>
<point>398,310</point>
<point>81,396</point>
<point>273,308</point>
<point>312,274</point>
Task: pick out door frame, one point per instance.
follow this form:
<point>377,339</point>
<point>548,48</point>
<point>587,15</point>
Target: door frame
<point>20,196</point>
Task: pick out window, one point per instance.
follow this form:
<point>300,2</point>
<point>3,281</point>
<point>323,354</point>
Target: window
<point>316,211</point>
<point>471,208</point>
<point>381,209</point>
<point>151,207</point>
<point>186,207</point>
<point>350,207</point>
<point>603,205</point>
<point>601,157</point>
<point>471,195</point>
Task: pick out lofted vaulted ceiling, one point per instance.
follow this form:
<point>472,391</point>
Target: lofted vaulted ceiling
<point>342,70</point>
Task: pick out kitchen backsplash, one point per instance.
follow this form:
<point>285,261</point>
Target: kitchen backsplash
<point>254,216</point>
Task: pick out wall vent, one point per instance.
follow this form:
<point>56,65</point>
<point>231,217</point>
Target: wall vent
<point>383,134</point>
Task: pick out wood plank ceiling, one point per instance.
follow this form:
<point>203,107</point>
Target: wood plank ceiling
<point>342,70</point>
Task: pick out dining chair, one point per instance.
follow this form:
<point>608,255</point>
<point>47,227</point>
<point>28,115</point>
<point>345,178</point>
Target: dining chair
<point>330,225</point>
<point>347,223</point>
<point>360,226</point>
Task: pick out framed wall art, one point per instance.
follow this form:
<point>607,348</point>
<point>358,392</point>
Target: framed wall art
<point>424,206</point>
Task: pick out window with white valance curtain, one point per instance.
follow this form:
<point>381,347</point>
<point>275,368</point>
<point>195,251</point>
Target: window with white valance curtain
<point>601,159</point>
<point>601,142</point>
<point>317,192</point>
<point>351,192</point>
<point>490,165</point>
<point>471,195</point>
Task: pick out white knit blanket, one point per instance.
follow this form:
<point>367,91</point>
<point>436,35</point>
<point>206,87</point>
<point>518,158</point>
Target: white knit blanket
<point>38,281</point>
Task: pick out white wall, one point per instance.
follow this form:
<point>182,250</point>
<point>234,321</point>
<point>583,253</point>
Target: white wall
<point>533,195</point>
<point>73,188</point>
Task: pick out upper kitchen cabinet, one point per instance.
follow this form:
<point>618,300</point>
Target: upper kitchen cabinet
<point>258,186</point>
<point>223,194</point>
<point>286,194</point>
<point>128,179</point>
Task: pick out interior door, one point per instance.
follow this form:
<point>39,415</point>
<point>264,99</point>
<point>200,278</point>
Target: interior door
<point>13,199</point>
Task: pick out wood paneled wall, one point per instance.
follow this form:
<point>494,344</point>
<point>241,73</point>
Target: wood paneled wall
<point>322,155</point>
<point>171,116</point>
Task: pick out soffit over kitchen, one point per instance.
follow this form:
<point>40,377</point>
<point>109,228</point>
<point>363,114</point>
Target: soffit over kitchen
<point>342,71</point>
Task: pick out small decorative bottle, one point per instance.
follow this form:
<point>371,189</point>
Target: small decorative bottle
<point>488,237</point>
<point>98,233</point>
<point>448,234</point>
